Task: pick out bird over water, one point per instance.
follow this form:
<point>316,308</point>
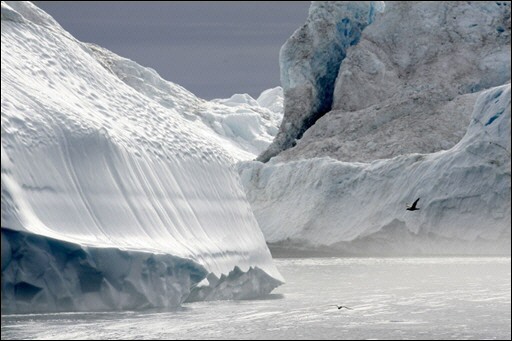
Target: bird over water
<point>342,306</point>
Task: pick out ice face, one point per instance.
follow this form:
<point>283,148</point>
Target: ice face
<point>404,97</point>
<point>310,60</point>
<point>48,274</point>
<point>410,84</point>
<point>41,274</point>
<point>453,48</point>
<point>101,153</point>
<point>359,208</point>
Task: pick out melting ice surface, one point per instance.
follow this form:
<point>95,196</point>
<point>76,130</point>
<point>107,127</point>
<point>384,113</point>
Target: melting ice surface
<point>392,298</point>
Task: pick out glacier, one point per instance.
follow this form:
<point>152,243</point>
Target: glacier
<point>420,108</point>
<point>118,188</point>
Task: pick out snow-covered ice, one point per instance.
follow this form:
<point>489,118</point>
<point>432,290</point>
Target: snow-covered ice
<point>242,125</point>
<point>111,176</point>
<point>273,99</point>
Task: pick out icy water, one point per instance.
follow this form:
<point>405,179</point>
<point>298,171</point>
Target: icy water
<point>392,298</point>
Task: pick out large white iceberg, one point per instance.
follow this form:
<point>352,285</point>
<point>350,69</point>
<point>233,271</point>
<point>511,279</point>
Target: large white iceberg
<point>115,192</point>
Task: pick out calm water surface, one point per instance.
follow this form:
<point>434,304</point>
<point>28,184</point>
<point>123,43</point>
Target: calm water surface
<point>392,298</point>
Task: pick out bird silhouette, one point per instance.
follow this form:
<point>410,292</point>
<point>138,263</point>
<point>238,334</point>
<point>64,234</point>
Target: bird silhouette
<point>413,206</point>
<point>342,306</point>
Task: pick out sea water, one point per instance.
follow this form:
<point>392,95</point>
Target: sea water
<point>391,298</point>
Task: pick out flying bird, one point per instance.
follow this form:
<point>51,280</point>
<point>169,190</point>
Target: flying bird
<point>342,306</point>
<point>413,207</point>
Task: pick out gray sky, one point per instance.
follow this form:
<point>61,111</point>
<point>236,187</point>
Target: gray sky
<point>214,49</point>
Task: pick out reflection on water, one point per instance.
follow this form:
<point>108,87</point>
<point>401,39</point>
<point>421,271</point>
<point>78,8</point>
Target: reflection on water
<point>392,298</point>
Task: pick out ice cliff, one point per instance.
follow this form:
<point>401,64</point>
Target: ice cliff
<point>420,108</point>
<point>118,188</point>
<point>359,208</point>
<point>310,60</point>
<point>417,68</point>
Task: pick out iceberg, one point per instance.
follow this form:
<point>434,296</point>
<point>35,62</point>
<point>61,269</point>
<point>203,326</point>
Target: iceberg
<point>117,192</point>
<point>410,84</point>
<point>357,208</point>
<point>420,107</point>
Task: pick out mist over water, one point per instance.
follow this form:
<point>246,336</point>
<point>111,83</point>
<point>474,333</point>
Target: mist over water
<point>392,298</point>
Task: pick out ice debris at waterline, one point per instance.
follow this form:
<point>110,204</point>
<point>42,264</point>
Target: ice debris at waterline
<point>115,194</point>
